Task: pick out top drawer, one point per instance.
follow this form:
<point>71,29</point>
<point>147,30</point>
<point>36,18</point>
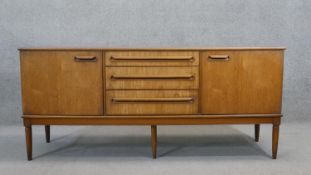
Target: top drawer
<point>152,58</point>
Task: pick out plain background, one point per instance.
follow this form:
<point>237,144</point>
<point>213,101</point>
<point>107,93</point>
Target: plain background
<point>162,23</point>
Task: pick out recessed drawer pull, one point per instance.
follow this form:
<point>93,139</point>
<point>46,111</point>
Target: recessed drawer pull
<point>85,58</point>
<point>152,58</point>
<point>152,100</point>
<point>219,57</point>
<point>180,77</point>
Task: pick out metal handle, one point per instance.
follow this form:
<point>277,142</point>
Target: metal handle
<point>85,58</point>
<point>152,58</point>
<point>152,100</point>
<point>219,57</point>
<point>126,77</point>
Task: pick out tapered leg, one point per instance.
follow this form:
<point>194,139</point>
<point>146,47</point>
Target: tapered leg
<point>275,140</point>
<point>28,141</point>
<point>154,141</point>
<point>47,133</point>
<point>257,131</point>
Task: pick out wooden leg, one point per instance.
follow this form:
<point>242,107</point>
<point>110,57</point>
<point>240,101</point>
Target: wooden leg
<point>47,133</point>
<point>275,140</point>
<point>257,131</point>
<point>28,141</point>
<point>154,141</point>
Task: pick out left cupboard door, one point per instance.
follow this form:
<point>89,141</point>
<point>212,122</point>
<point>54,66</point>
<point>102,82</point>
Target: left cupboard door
<point>62,82</point>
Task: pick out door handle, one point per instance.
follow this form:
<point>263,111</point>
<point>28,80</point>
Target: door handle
<point>219,57</point>
<point>85,58</point>
<point>152,58</point>
<point>127,77</point>
<point>153,100</point>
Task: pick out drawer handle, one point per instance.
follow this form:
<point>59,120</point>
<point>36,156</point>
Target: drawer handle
<point>156,58</point>
<point>125,77</point>
<point>219,57</point>
<point>85,58</point>
<point>153,100</point>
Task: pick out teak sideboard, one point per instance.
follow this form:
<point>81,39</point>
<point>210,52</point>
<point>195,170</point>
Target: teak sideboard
<point>156,86</point>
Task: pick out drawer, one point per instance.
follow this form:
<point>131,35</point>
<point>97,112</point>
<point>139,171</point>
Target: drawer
<point>152,58</point>
<point>151,102</point>
<point>152,77</point>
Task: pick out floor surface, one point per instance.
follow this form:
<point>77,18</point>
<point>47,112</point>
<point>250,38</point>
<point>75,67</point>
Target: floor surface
<point>195,150</point>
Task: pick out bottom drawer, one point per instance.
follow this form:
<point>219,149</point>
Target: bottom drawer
<point>151,102</point>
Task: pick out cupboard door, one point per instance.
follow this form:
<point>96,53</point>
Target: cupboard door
<point>236,82</point>
<point>62,82</point>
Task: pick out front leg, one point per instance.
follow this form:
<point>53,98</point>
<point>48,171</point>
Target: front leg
<point>154,141</point>
<point>28,134</point>
<point>47,133</point>
<point>257,131</point>
<point>275,139</point>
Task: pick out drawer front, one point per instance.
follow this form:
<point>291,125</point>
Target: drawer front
<point>241,82</point>
<point>151,102</point>
<point>62,82</point>
<point>152,58</point>
<point>152,77</point>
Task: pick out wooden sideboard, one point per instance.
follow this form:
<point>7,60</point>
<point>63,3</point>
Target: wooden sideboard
<point>156,86</point>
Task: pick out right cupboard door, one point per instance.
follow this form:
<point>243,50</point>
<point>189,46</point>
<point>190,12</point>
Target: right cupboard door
<point>241,81</point>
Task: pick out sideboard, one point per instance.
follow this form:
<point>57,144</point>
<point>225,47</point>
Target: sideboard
<point>151,86</point>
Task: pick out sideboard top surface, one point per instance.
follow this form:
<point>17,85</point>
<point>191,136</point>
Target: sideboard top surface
<point>154,49</point>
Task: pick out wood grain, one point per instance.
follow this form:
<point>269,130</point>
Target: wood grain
<point>150,49</point>
<point>248,82</point>
<point>139,120</point>
<point>152,58</point>
<point>152,77</point>
<point>151,108</point>
<point>151,86</point>
<point>180,116</point>
<point>54,83</point>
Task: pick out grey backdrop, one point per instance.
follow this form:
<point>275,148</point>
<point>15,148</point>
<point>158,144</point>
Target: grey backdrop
<point>162,23</point>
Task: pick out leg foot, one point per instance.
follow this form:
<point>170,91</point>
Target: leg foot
<point>28,132</point>
<point>47,133</point>
<point>257,131</point>
<point>275,140</point>
<point>154,141</point>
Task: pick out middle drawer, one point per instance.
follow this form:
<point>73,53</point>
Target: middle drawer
<point>152,77</point>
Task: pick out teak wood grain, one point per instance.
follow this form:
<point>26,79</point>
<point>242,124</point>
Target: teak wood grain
<point>246,82</point>
<point>152,77</point>
<point>154,86</point>
<point>152,58</point>
<point>158,49</point>
<point>150,120</point>
<point>55,82</point>
<point>151,102</point>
